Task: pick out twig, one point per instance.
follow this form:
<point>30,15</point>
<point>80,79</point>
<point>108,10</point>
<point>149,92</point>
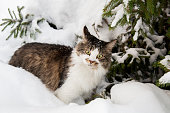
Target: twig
<point>95,30</point>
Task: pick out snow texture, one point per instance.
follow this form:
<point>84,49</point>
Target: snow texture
<point>157,52</point>
<point>119,14</point>
<point>132,51</point>
<point>166,61</point>
<point>165,78</point>
<point>140,98</point>
<point>69,15</point>
<point>20,88</point>
<point>126,2</point>
<point>22,92</point>
<point>136,28</point>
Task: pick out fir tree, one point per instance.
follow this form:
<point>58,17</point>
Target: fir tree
<point>145,43</point>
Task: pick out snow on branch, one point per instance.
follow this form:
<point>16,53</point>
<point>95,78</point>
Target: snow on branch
<point>22,25</point>
<point>119,14</point>
<point>136,28</point>
<point>156,51</point>
<point>166,62</point>
<point>136,53</point>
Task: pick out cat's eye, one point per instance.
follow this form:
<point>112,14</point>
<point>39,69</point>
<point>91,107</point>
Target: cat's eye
<point>99,56</point>
<point>87,52</point>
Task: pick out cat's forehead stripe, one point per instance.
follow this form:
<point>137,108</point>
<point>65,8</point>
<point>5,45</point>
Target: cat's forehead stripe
<point>94,53</point>
<point>96,42</point>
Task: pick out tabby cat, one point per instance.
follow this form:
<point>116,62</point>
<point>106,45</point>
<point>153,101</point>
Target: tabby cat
<point>71,73</point>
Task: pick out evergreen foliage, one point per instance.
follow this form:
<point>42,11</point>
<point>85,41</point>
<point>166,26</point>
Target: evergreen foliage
<point>163,86</point>
<point>140,49</point>
<point>21,25</point>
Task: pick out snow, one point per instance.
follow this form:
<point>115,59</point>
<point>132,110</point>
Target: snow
<point>135,37</point>
<point>131,51</point>
<point>69,14</point>
<point>21,88</point>
<point>138,24</point>
<point>157,52</point>
<point>157,39</point>
<point>136,28</point>
<point>166,61</point>
<point>52,36</point>
<point>126,2</point>
<point>140,98</point>
<point>119,14</point>
<point>22,92</point>
<point>165,78</point>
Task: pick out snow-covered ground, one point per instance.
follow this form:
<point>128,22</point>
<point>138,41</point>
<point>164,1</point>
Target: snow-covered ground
<point>22,92</point>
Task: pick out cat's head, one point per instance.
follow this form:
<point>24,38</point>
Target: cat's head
<point>94,52</point>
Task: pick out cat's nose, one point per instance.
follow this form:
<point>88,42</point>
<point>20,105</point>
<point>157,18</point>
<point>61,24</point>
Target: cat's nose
<point>91,62</point>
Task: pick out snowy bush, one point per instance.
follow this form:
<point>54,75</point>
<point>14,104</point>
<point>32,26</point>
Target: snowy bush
<point>145,41</point>
<point>164,81</point>
<point>22,25</point>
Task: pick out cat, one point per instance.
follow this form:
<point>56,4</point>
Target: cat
<point>70,73</point>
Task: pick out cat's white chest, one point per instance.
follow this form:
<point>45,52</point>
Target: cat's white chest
<point>83,77</point>
<point>81,81</point>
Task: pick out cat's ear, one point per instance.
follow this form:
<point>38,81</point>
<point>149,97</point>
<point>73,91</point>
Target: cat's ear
<point>86,33</point>
<point>110,45</point>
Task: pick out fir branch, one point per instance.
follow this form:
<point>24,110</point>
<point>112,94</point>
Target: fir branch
<point>21,25</point>
<point>10,13</point>
<point>3,23</point>
<point>19,11</point>
<point>9,23</point>
<point>154,22</point>
<point>150,6</point>
<point>14,15</point>
<point>112,4</point>
<point>22,33</point>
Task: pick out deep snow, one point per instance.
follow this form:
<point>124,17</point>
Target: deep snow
<point>22,92</point>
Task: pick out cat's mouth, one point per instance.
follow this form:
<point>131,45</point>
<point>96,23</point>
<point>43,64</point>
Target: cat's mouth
<point>92,64</point>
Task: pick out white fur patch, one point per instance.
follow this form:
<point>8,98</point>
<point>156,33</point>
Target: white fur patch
<point>92,56</point>
<point>81,78</point>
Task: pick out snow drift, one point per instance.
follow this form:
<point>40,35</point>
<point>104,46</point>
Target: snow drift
<point>140,98</point>
<point>20,91</point>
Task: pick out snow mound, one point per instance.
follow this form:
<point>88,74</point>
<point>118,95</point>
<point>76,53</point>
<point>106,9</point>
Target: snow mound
<point>52,36</point>
<point>140,98</point>
<point>165,78</point>
<point>20,88</point>
<point>22,92</point>
<point>71,15</point>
